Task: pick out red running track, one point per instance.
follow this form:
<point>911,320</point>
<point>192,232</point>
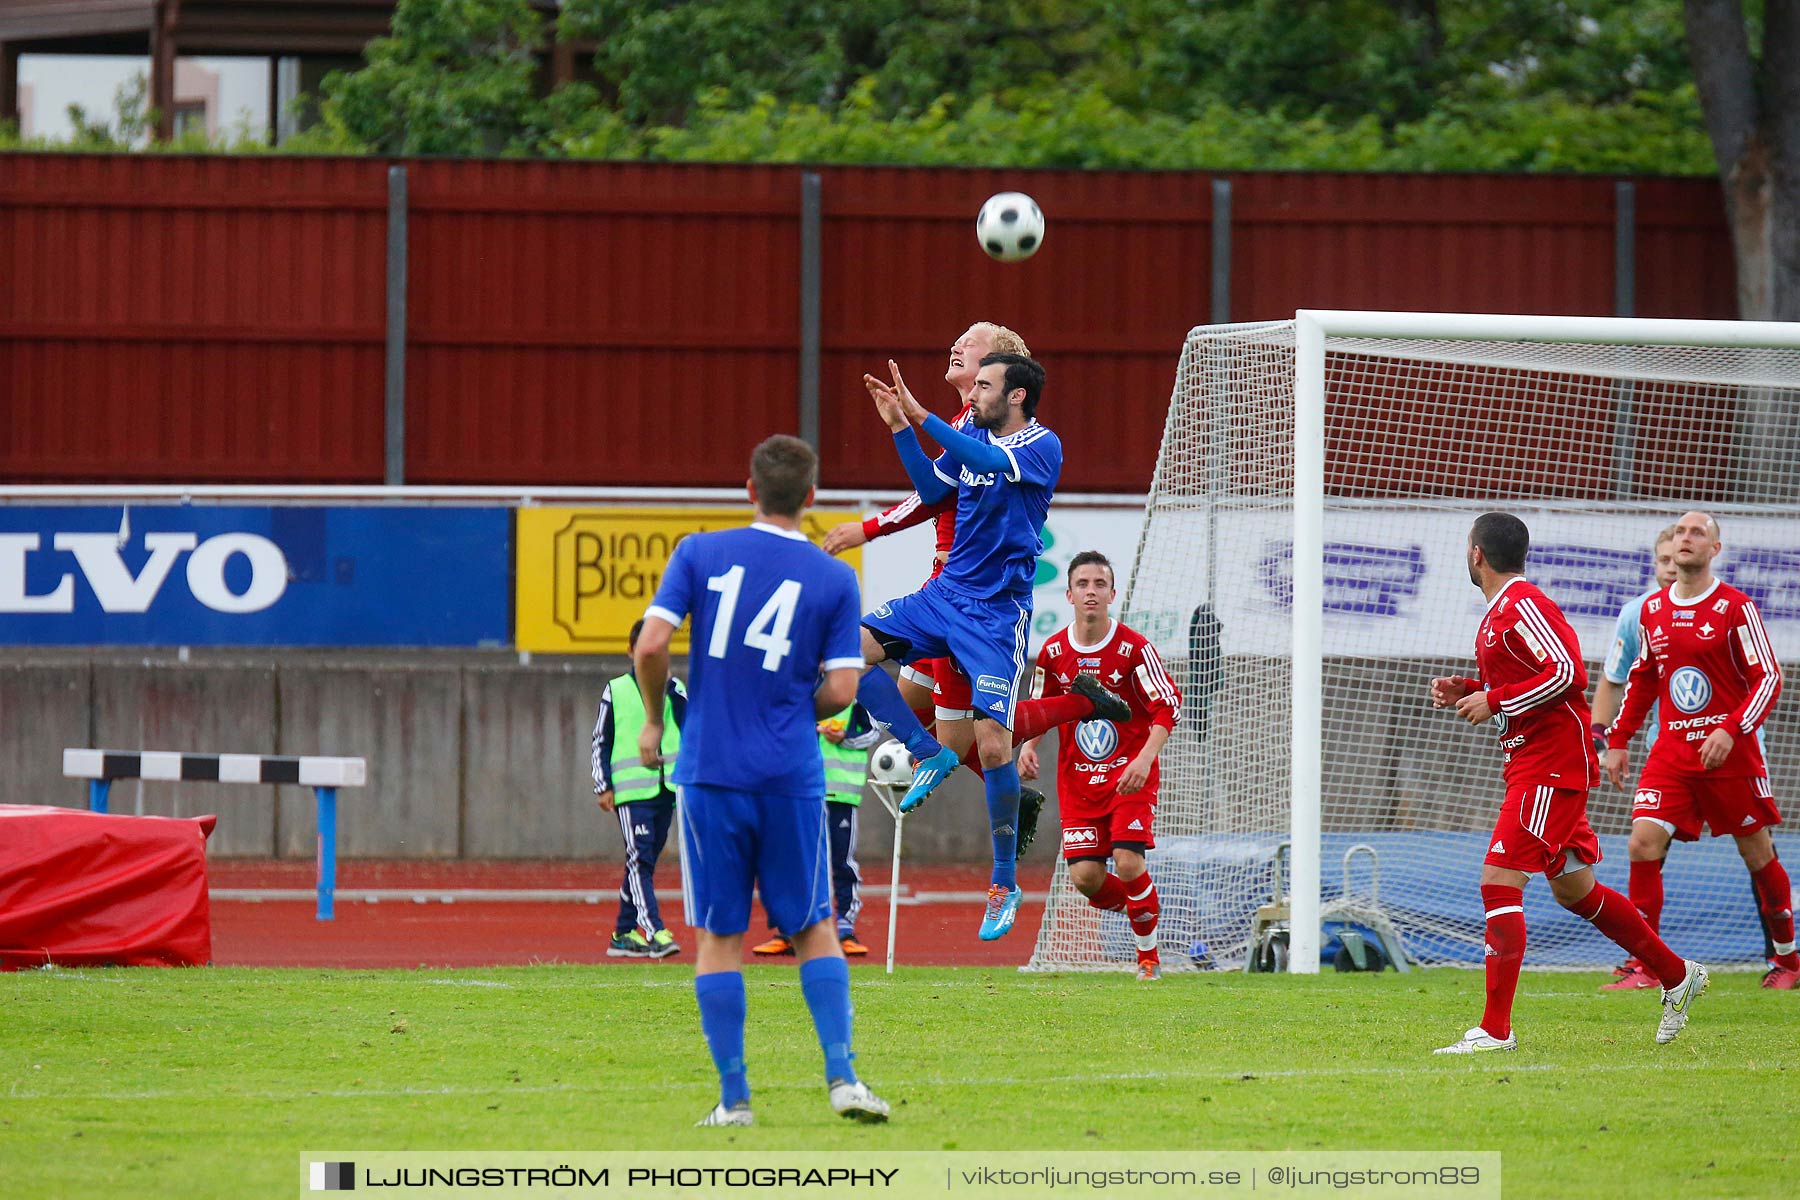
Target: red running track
<point>428,932</point>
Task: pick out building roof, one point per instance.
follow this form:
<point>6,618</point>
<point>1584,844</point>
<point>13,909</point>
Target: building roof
<point>220,27</point>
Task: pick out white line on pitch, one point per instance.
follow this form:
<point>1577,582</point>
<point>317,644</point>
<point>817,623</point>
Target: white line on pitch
<point>1254,1073</point>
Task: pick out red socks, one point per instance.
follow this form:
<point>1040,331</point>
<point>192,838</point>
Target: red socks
<point>1111,896</point>
<point>1647,892</point>
<point>1141,909</point>
<point>1773,892</point>
<point>1138,901</point>
<point>972,759</point>
<point>1034,718</point>
<point>1614,916</point>
<point>1505,951</point>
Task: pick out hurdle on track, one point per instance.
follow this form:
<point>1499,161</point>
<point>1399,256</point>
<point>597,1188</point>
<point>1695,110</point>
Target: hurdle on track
<point>324,775</point>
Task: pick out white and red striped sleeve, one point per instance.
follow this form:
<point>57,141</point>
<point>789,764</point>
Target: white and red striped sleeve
<point>1536,642</point>
<point>1158,691</point>
<point>904,515</point>
<point>1757,659</point>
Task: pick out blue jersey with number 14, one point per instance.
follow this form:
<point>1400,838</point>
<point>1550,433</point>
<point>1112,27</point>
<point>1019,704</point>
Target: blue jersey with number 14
<point>769,609</point>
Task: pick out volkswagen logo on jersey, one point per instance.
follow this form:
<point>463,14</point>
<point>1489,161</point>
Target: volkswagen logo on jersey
<point>1690,689</point>
<point>1096,739</point>
<point>1500,723</point>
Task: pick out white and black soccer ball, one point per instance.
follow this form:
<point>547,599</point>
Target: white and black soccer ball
<point>1010,226</point>
<point>892,763</point>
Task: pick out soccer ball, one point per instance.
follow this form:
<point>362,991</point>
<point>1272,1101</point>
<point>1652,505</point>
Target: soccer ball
<point>1010,226</point>
<point>891,763</point>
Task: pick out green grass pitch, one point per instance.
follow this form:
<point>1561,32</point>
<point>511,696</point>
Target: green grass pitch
<point>208,1082</point>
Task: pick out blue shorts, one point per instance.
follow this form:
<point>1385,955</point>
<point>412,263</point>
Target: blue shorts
<point>731,840</point>
<point>985,637</point>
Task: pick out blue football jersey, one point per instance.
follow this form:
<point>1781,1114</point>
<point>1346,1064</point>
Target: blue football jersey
<point>999,514</point>
<point>1624,652</point>
<point>770,610</point>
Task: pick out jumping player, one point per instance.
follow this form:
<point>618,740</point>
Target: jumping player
<point>1705,659</point>
<point>771,613</point>
<point>1532,685</point>
<point>1106,771</point>
<point>934,688</point>
<point>1004,471</point>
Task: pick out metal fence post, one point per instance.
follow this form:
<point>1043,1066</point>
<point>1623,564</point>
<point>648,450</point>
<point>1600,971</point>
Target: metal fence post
<point>1221,251</point>
<point>395,474</point>
<point>1624,248</point>
<point>811,269</point>
<point>1624,305</point>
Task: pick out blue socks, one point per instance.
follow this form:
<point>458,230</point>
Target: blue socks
<point>826,985</point>
<point>722,1004</point>
<point>1003,820</point>
<point>881,696</point>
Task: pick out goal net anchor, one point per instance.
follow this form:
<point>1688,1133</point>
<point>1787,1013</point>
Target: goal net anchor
<point>1351,911</point>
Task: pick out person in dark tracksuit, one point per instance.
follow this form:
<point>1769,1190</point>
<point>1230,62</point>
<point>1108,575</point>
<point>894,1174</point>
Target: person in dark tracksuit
<point>845,741</point>
<point>643,798</point>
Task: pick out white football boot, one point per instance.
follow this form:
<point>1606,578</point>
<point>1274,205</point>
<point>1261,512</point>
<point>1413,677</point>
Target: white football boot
<point>855,1102</point>
<point>1678,1000</point>
<point>720,1115</point>
<point>1479,1041</point>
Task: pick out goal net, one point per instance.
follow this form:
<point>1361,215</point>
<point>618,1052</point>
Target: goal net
<point>1315,488</point>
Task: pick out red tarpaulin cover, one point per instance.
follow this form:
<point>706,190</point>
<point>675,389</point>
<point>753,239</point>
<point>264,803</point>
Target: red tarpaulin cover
<point>80,887</point>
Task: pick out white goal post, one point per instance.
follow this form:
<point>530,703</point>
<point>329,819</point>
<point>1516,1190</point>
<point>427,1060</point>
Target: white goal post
<point>1300,567</point>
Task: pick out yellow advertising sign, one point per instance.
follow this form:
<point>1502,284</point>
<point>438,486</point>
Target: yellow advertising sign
<point>582,576</point>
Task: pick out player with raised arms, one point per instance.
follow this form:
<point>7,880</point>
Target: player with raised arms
<point>1705,659</point>
<point>1107,771</point>
<point>1646,864</point>
<point>771,614</point>
<point>1532,685</point>
<point>1003,470</point>
<point>937,692</point>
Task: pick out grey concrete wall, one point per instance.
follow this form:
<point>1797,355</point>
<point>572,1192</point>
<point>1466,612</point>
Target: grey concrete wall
<point>528,786</point>
<point>478,755</point>
<point>44,706</point>
<point>406,719</point>
<point>224,706</point>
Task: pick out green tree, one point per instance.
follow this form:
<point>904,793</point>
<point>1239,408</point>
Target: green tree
<point>454,77</point>
<point>1752,106</point>
<point>656,60</point>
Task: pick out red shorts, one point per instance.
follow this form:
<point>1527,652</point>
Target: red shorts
<point>953,695</point>
<point>1537,826</point>
<point>1089,835</point>
<point>922,672</point>
<point>1681,800</point>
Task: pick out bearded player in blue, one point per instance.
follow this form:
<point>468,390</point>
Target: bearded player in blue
<point>978,610</point>
<point>774,651</point>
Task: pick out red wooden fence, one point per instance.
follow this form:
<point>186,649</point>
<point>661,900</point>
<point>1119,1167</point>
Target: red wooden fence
<point>222,319</point>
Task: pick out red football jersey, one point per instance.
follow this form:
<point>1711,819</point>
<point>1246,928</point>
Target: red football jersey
<point>1708,659</point>
<point>1530,664</point>
<point>914,511</point>
<point>1092,754</point>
